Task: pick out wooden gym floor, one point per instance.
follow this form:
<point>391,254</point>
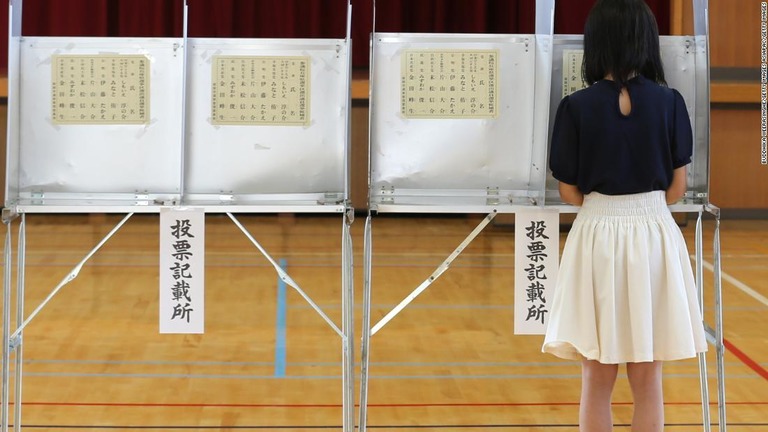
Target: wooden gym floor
<point>93,359</point>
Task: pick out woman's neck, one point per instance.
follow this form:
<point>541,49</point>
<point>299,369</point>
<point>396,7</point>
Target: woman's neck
<point>609,76</point>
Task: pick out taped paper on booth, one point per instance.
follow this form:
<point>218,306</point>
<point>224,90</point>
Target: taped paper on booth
<point>100,89</point>
<point>449,84</point>
<point>260,90</point>
<point>572,82</point>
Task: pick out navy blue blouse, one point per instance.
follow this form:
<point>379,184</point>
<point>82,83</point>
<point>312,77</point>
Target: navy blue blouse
<point>597,148</point>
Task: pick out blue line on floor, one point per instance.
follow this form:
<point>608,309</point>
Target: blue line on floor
<point>281,318</point>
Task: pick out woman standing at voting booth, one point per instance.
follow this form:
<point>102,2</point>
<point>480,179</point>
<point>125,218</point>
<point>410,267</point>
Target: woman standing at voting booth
<point>625,289</point>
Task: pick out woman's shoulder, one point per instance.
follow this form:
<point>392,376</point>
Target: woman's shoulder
<point>587,92</point>
<point>582,97</point>
<point>660,99</point>
<point>654,88</point>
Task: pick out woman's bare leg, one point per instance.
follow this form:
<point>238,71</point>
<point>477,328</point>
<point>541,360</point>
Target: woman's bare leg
<point>597,382</point>
<point>647,391</point>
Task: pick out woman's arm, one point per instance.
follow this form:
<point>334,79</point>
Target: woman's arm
<point>677,187</point>
<point>570,194</point>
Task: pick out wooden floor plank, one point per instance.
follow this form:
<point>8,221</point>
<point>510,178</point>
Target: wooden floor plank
<point>94,357</point>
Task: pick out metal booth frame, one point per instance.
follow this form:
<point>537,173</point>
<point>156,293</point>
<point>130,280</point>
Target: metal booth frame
<point>77,195</point>
<point>385,197</point>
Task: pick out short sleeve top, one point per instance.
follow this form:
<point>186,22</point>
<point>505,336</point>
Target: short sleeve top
<point>597,148</point>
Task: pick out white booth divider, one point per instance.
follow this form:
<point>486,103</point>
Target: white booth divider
<point>471,156</point>
<point>441,162</point>
<point>176,138</point>
<point>94,156</point>
<point>306,160</point>
<point>136,125</point>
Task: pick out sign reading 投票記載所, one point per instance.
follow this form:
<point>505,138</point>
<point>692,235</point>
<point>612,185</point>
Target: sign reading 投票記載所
<point>536,259</point>
<point>182,271</point>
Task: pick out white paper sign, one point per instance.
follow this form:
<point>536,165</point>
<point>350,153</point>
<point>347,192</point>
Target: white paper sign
<point>182,270</point>
<point>537,242</point>
<point>572,81</point>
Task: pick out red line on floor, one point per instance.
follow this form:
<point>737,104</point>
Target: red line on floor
<point>423,405</point>
<point>755,366</point>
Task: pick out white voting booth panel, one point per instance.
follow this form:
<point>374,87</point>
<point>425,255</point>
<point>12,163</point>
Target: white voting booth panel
<point>442,164</point>
<point>173,160</point>
<point>52,163</point>
<point>455,161</point>
<point>684,70</point>
<point>250,163</point>
<point>434,164</point>
<point>174,156</point>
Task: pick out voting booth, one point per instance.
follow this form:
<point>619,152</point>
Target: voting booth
<point>686,69</point>
<point>460,123</point>
<point>176,124</point>
<point>452,122</point>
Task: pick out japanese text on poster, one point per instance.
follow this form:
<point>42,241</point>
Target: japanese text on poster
<point>572,81</point>
<point>260,90</point>
<point>449,84</point>
<point>100,89</point>
<point>182,267</point>
<point>536,256</point>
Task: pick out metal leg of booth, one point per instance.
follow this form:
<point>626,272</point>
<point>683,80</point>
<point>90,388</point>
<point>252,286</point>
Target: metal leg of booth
<point>348,309</point>
<point>13,344</point>
<point>7,258</point>
<point>369,331</point>
<point>13,341</point>
<point>714,335</point>
<point>703,376</point>
<point>366,336</point>
<point>18,345</point>
<point>347,295</point>
<point>719,344</point>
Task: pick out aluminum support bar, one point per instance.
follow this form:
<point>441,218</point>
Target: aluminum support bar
<point>184,78</point>
<point>347,310</point>
<point>699,262</point>
<point>71,276</point>
<point>702,357</point>
<point>285,277</point>
<point>349,21</point>
<point>436,274</point>
<point>366,340</point>
<point>545,17</point>
<point>20,290</point>
<point>6,328</point>
<point>720,347</point>
<point>710,334</point>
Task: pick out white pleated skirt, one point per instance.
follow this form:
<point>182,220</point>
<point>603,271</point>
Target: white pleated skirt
<point>625,288</point>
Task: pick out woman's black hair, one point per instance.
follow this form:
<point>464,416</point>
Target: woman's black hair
<point>621,38</point>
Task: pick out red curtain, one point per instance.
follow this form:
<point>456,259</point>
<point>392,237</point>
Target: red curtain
<point>294,18</point>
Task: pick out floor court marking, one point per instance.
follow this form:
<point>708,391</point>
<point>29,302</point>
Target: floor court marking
<point>373,405</point>
<point>746,359</point>
<point>280,324</point>
<point>338,427</point>
<point>738,284</point>
<point>677,364</point>
<point>755,366</point>
<point>338,377</point>
<point>742,357</point>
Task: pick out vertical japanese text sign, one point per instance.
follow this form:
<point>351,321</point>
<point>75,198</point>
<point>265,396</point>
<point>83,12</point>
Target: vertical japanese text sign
<point>537,248</point>
<point>182,271</point>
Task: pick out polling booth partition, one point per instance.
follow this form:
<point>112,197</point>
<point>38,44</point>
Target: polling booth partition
<point>175,125</point>
<point>460,123</point>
